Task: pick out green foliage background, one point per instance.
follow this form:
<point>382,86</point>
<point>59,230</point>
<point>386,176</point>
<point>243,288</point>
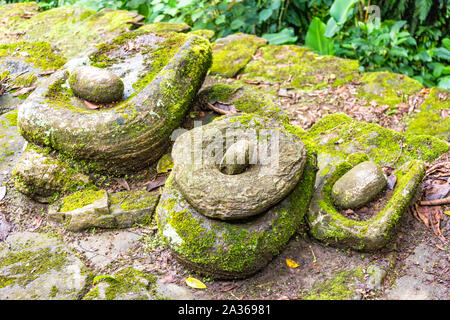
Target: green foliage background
<point>412,36</point>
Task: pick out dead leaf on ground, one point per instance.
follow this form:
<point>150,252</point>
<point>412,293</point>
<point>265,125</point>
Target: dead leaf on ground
<point>90,105</point>
<point>159,181</point>
<point>391,181</point>
<point>195,283</point>
<point>123,183</point>
<point>2,192</point>
<point>292,264</point>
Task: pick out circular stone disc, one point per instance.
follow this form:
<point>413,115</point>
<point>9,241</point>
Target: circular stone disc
<point>276,166</point>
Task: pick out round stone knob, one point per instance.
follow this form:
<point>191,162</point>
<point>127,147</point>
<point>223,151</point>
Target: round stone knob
<point>236,158</point>
<point>359,185</point>
<point>96,85</point>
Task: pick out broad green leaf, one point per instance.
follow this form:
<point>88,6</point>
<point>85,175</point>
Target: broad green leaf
<point>265,14</point>
<point>446,70</point>
<point>284,36</point>
<point>446,43</point>
<point>316,40</point>
<point>340,9</point>
<point>442,53</point>
<point>332,28</point>
<point>444,83</point>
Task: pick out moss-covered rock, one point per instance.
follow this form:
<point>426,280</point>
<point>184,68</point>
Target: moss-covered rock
<point>341,136</point>
<point>43,177</point>
<point>161,27</point>
<point>232,53</point>
<point>231,250</point>
<point>387,88</point>
<point>299,67</point>
<point>34,266</point>
<point>243,99</point>
<point>126,284</point>
<point>93,208</point>
<point>328,225</point>
<point>161,77</point>
<point>430,120</point>
<point>73,30</point>
<point>12,144</point>
<point>205,33</point>
<point>12,15</point>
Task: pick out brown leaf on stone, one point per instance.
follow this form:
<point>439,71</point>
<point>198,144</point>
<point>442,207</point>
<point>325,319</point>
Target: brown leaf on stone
<point>90,105</point>
<point>222,107</point>
<point>5,227</point>
<point>159,181</point>
<point>431,216</point>
<point>23,91</point>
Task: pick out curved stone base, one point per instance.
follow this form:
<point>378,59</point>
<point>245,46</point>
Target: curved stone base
<point>329,226</point>
<point>229,250</point>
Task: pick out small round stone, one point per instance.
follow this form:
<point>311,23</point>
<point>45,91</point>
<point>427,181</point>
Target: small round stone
<point>236,158</point>
<point>359,185</point>
<point>96,85</point>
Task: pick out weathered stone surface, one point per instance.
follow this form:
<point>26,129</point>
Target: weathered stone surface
<point>161,77</point>
<point>232,53</point>
<point>243,99</point>
<point>12,144</point>
<point>359,185</point>
<point>227,250</point>
<point>88,209</point>
<point>41,176</point>
<point>36,266</point>
<point>96,85</point>
<point>274,171</point>
<point>299,67</point>
<point>73,30</point>
<point>83,210</point>
<point>340,135</point>
<point>236,158</point>
<point>161,27</point>
<point>24,65</point>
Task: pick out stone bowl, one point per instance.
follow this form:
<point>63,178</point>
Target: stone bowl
<point>161,74</point>
<point>198,155</point>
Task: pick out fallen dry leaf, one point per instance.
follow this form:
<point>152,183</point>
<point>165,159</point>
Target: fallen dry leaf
<point>195,283</point>
<point>159,181</point>
<point>292,264</point>
<point>123,183</point>
<point>90,105</point>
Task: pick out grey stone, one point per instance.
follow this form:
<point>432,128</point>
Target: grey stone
<point>136,132</point>
<point>376,277</point>
<point>41,176</point>
<point>359,185</point>
<point>96,84</point>
<point>36,266</point>
<point>236,158</point>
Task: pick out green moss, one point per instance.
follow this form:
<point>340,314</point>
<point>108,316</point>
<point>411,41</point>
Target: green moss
<point>133,200</point>
<point>341,287</point>
<point>339,135</point>
<point>387,88</point>
<point>125,283</point>
<point>232,53</point>
<point>429,120</point>
<point>235,248</point>
<point>162,27</point>
<point>300,68</point>
<point>11,117</point>
<point>26,266</point>
<point>81,198</point>
<point>39,54</point>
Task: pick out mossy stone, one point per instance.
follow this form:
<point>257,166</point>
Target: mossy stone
<point>135,133</point>
<point>359,185</point>
<point>226,250</point>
